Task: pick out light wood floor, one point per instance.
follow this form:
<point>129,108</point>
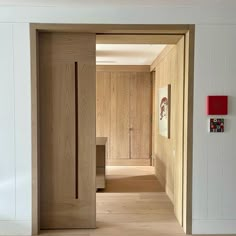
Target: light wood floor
<point>128,179</point>
<point>131,213</point>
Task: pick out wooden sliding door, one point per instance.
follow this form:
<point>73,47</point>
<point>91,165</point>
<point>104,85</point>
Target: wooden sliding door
<point>67,130</point>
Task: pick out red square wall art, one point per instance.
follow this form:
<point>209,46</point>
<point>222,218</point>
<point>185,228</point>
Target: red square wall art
<point>217,105</point>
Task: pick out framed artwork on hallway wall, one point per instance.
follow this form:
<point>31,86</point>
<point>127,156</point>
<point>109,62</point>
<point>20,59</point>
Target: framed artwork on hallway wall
<point>164,111</point>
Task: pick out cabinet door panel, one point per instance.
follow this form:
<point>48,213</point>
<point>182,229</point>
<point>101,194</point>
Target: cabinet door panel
<point>140,115</point>
<point>119,134</point>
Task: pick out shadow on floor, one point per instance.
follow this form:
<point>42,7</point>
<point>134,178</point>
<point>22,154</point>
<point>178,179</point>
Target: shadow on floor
<point>132,184</point>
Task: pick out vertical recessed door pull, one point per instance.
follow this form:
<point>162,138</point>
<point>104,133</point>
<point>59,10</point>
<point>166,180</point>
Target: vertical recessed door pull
<point>76,134</point>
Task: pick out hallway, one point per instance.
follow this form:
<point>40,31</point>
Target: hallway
<point>131,213</point>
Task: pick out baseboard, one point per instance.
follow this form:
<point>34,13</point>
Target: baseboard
<point>128,162</point>
<point>15,227</point>
<point>214,227</point>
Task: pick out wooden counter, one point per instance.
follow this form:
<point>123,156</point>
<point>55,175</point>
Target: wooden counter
<point>101,153</point>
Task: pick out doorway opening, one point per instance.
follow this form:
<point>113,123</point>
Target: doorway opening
<point>140,158</point>
<point>182,148</point>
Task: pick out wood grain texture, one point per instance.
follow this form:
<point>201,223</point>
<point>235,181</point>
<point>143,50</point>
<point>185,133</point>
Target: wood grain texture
<point>35,130</point>
<point>153,125</point>
<point>131,213</point>
<point>165,73</point>
<point>124,114</point>
<point>57,131</point>
<point>140,115</point>
<point>58,54</point>
<point>103,106</point>
<point>169,69</point>
<point>123,68</point>
<point>101,156</point>
<point>129,179</point>
<point>161,57</point>
<point>179,133</point>
<point>187,30</point>
<point>120,102</point>
<point>138,39</point>
<point>129,162</point>
<point>145,29</point>
<point>188,129</point>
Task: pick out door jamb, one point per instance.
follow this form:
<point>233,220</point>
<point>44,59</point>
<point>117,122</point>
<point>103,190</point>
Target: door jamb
<point>187,30</point>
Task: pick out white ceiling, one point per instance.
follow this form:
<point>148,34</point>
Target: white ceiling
<point>127,54</point>
<point>116,2</point>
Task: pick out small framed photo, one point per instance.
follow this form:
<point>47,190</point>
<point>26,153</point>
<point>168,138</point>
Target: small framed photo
<point>216,125</point>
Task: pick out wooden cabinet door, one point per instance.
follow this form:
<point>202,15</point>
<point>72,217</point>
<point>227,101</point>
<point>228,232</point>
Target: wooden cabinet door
<point>67,99</point>
<point>119,133</point>
<point>124,115</point>
<point>140,115</point>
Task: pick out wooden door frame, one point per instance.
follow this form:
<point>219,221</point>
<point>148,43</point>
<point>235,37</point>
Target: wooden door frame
<point>153,79</point>
<point>167,34</point>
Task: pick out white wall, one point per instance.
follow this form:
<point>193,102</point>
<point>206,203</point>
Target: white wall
<point>214,182</point>
<point>214,191</point>
<point>15,134</point>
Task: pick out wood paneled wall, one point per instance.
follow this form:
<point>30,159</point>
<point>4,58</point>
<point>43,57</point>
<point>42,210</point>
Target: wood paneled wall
<point>124,113</point>
<point>168,69</point>
<point>162,147</point>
